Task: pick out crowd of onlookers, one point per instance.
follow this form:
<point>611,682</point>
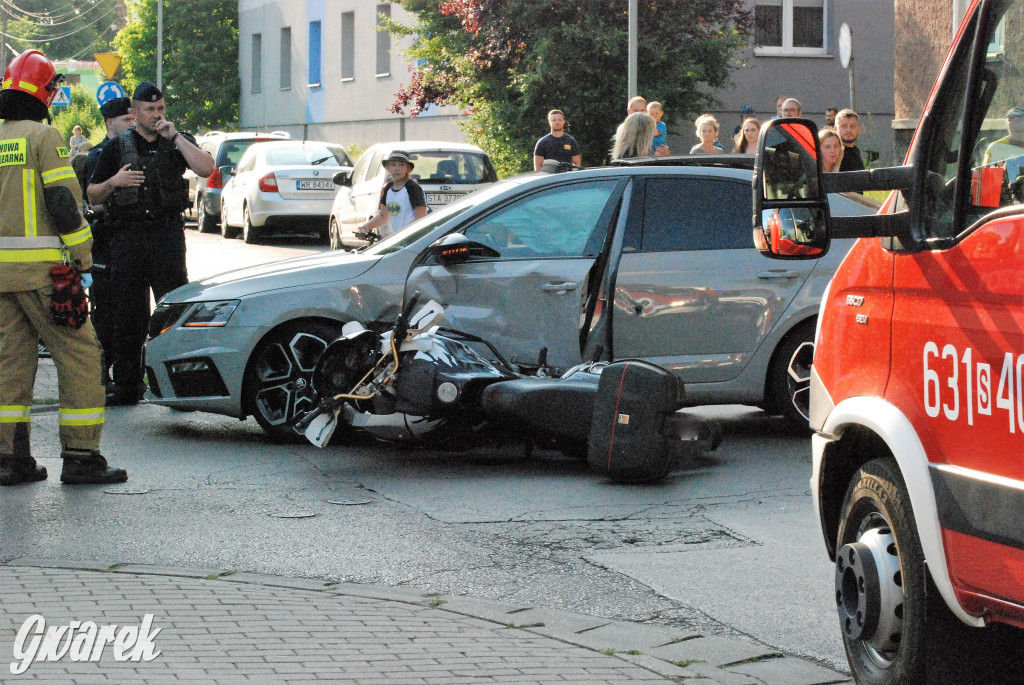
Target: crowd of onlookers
<point>643,134</point>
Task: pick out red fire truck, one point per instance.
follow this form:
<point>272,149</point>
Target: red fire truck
<point>917,384</point>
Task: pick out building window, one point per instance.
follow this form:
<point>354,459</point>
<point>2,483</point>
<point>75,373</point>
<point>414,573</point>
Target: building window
<point>348,46</point>
<point>286,58</point>
<point>790,27</point>
<point>383,41</point>
<point>314,53</point>
<point>257,62</point>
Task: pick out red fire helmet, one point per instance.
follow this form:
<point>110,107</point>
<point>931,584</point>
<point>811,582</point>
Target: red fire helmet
<point>30,72</point>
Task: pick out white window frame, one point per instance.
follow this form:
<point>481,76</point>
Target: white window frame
<point>787,34</point>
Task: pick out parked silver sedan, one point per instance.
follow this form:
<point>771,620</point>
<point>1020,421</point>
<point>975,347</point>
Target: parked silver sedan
<point>282,187</point>
<point>648,261</point>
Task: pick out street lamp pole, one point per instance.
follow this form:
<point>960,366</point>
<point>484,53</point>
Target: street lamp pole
<point>631,85</point>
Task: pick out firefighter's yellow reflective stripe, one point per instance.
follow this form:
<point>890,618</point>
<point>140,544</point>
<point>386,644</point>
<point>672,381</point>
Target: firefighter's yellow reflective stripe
<point>14,413</point>
<point>12,151</point>
<point>18,243</point>
<point>77,237</point>
<point>28,197</point>
<point>58,174</point>
<point>91,416</point>
<point>47,255</point>
<point>7,82</point>
<point>30,87</point>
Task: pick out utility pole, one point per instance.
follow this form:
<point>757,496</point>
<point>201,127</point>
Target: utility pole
<point>631,85</point>
<point>3,41</point>
<point>160,44</point>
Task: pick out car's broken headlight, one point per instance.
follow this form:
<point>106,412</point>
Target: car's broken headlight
<point>211,314</point>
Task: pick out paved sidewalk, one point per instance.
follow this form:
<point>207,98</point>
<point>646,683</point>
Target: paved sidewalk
<point>217,627</point>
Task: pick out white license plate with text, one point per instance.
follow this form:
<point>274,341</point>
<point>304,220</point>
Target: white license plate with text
<point>443,198</point>
<point>315,185</point>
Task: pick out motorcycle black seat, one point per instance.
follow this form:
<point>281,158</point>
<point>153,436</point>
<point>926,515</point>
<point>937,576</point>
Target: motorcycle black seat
<point>552,406</point>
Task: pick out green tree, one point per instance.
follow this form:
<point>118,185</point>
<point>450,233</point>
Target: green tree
<point>200,59</point>
<point>82,111</point>
<point>508,63</point>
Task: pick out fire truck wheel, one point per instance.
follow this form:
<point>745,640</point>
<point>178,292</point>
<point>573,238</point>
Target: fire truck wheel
<point>880,579</point>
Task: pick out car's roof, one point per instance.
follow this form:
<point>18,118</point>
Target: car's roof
<point>234,135</point>
<point>425,145</point>
<point>732,161</point>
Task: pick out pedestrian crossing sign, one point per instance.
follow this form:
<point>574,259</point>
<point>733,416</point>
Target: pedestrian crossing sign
<point>62,98</point>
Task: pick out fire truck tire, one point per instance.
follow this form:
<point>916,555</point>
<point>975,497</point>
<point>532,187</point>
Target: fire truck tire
<point>881,579</point>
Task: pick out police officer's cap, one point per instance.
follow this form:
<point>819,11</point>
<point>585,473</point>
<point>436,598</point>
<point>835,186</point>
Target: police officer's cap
<point>398,156</point>
<point>115,107</point>
<point>147,92</point>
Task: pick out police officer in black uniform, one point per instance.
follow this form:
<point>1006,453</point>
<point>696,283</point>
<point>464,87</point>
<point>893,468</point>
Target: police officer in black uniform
<point>139,180</point>
<point>117,115</point>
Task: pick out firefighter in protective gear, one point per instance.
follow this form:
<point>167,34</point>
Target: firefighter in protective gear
<point>139,179</point>
<point>41,226</point>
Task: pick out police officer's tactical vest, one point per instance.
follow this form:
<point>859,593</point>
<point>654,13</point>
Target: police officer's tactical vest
<point>164,192</point>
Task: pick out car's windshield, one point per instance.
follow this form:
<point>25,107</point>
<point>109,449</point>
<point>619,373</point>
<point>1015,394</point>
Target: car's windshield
<point>420,227</point>
<point>307,153</point>
<point>450,167</point>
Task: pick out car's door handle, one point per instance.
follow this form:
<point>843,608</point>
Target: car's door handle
<point>778,273</point>
<point>565,286</point>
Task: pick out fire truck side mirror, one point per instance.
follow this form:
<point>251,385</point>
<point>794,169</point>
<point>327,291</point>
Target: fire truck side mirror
<point>791,215</point>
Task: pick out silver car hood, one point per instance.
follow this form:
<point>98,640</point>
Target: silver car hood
<point>322,267</point>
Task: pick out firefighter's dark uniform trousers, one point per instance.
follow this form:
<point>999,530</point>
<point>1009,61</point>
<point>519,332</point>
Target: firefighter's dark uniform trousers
<point>33,156</point>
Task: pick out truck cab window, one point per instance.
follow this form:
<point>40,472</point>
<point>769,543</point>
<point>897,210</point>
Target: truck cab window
<point>993,138</point>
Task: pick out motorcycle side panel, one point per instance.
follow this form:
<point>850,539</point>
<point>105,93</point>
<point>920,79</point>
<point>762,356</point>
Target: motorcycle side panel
<point>627,431</point>
<point>543,406</point>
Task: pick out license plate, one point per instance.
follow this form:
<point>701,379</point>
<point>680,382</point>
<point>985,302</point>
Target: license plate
<point>443,198</point>
<point>315,185</point>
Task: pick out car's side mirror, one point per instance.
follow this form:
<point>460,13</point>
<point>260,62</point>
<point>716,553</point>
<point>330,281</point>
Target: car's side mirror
<point>226,171</point>
<point>791,216</point>
<point>343,178</point>
<point>456,248</point>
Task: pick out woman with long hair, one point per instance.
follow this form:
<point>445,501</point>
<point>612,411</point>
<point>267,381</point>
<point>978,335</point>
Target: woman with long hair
<point>634,136</point>
<point>831,150</point>
<point>746,140</point>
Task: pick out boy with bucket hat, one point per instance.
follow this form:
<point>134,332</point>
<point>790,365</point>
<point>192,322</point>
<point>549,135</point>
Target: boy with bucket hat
<point>401,199</point>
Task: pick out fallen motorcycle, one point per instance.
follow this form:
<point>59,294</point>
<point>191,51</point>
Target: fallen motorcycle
<point>410,382</point>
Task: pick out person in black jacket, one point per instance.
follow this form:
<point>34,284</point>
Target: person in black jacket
<point>139,179</point>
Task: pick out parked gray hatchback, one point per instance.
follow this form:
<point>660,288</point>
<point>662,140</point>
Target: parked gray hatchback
<point>650,261</point>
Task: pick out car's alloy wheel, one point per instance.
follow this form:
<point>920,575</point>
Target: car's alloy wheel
<point>277,385</point>
<point>226,231</point>
<point>250,234</point>
<point>335,235</point>
<point>789,376</point>
<point>205,222</point>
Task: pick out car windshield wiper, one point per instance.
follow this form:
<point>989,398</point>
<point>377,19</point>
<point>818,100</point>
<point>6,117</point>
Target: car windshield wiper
<point>322,160</point>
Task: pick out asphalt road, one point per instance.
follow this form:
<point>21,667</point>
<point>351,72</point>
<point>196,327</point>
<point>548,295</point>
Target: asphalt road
<point>727,545</point>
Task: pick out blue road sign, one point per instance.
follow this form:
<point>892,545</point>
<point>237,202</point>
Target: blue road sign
<point>108,91</point>
<point>62,98</point>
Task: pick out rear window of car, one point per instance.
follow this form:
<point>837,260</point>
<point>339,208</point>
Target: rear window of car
<point>299,155</point>
<point>695,213</point>
<point>231,151</point>
<point>453,168</point>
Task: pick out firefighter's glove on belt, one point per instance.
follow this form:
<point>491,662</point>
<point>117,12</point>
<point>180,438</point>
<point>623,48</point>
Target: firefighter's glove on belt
<point>68,304</point>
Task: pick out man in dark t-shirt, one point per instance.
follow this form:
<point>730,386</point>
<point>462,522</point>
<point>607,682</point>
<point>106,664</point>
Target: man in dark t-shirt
<point>848,125</point>
<point>557,145</point>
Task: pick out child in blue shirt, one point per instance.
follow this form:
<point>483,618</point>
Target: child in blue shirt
<point>661,140</point>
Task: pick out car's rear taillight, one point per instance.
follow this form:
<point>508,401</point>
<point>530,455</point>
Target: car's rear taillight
<point>216,179</point>
<point>268,184</point>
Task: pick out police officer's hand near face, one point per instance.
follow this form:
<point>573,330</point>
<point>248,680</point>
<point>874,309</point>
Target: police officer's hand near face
<point>166,129</point>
